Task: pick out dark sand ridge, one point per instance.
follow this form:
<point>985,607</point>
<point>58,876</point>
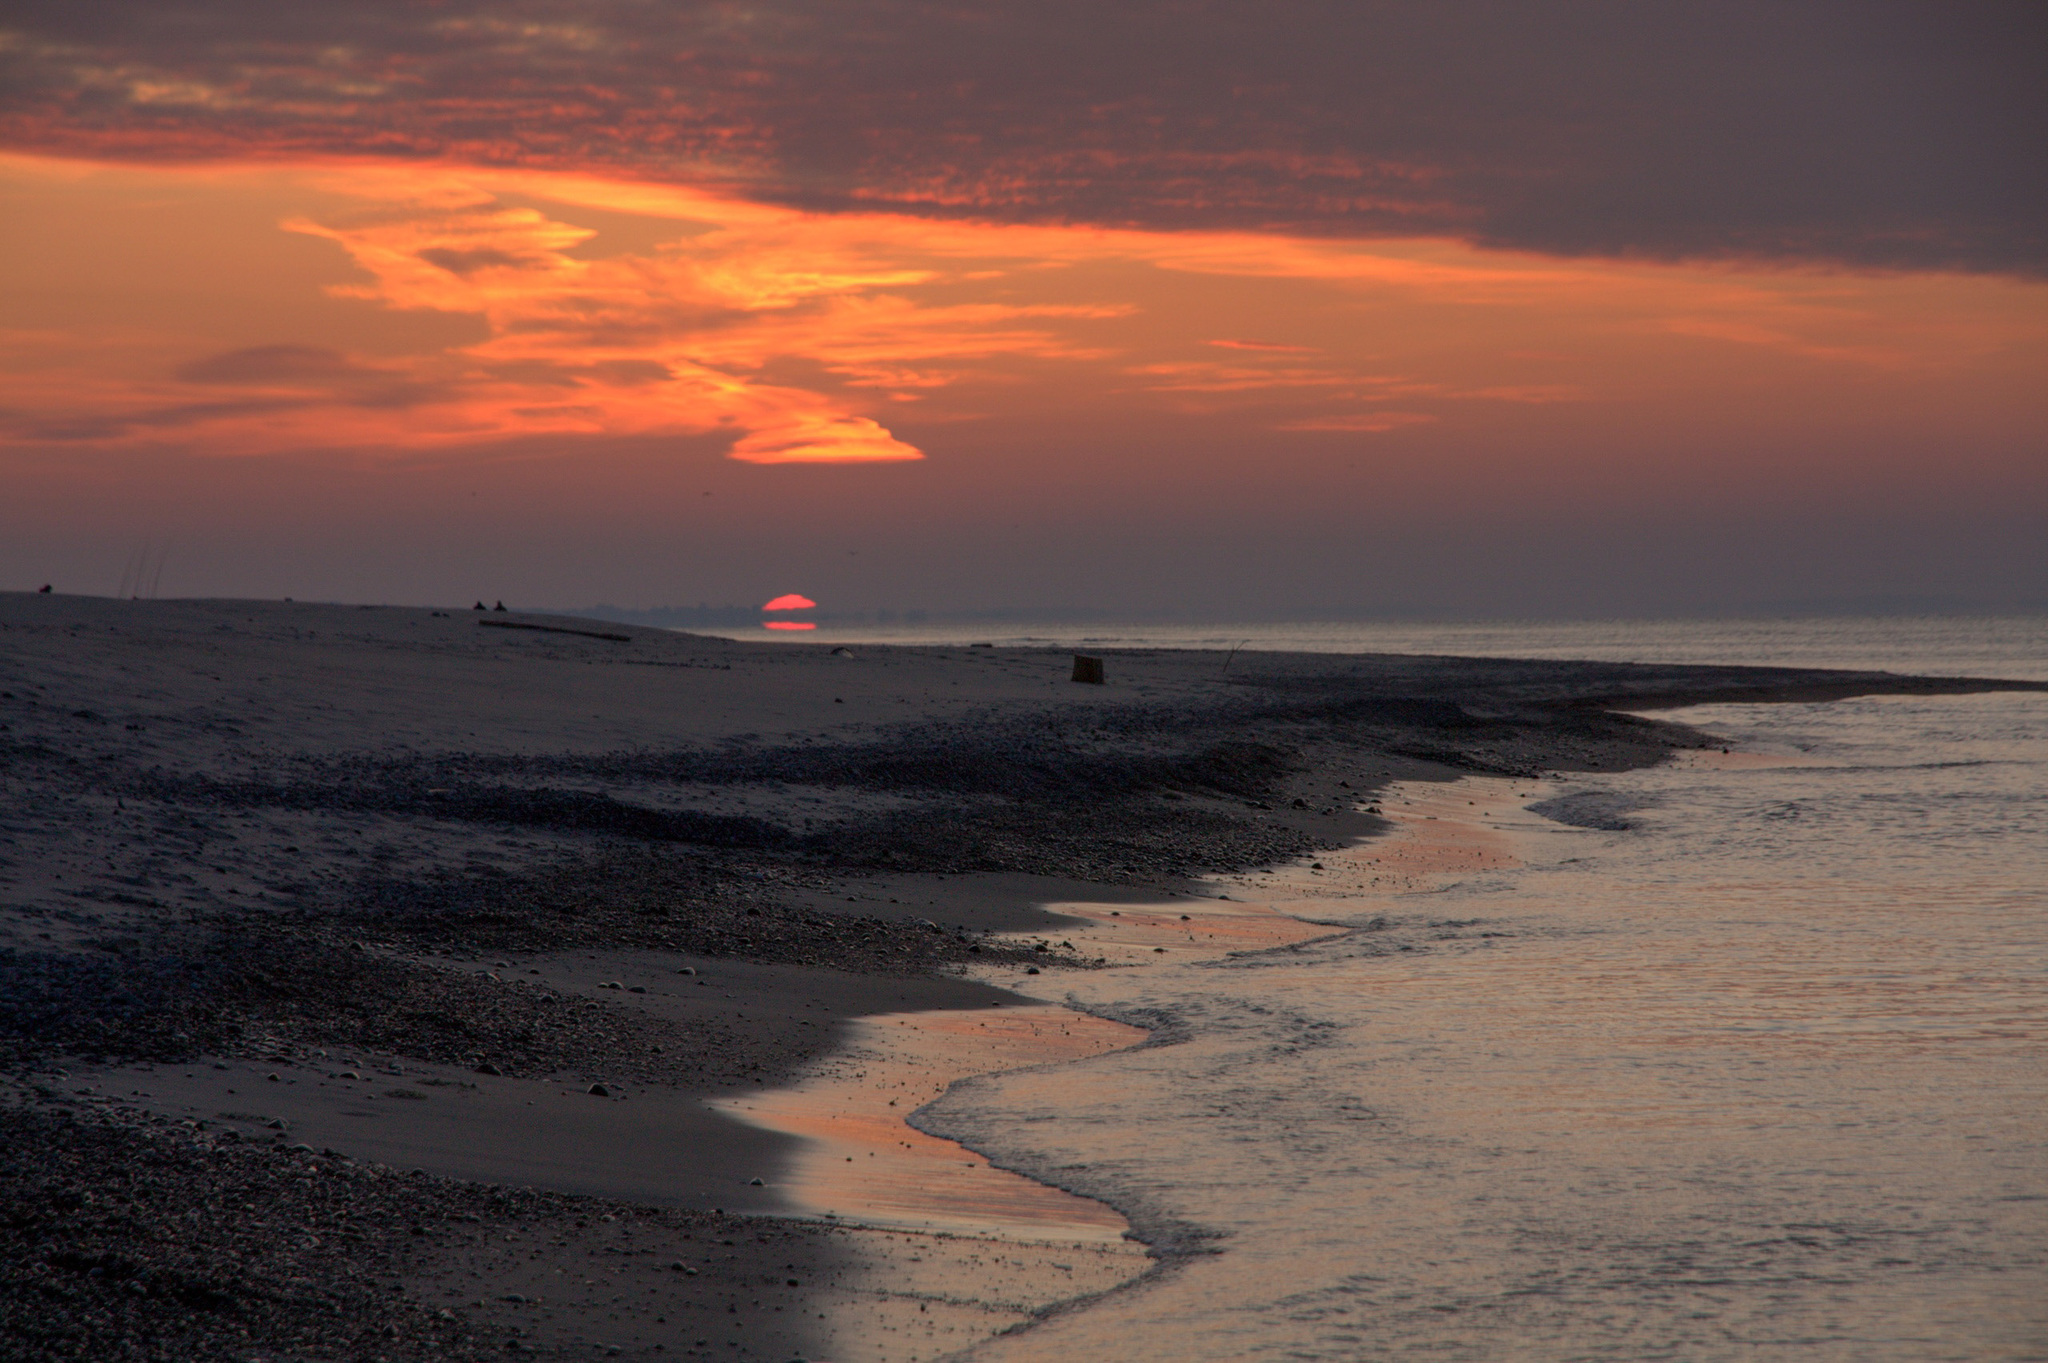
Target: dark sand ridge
<point>245,833</point>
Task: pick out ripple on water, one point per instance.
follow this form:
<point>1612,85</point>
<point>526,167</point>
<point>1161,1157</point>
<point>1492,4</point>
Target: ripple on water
<point>1761,1071</point>
<point>1735,1079</point>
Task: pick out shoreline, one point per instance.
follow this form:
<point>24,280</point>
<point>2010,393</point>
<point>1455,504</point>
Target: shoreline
<point>246,833</point>
<point>1477,1068</point>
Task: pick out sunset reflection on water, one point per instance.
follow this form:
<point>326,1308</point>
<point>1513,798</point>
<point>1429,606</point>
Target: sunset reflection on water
<point>1751,1053</point>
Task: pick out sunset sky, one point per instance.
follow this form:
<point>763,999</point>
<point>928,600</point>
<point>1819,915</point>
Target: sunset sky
<point>1222,310</point>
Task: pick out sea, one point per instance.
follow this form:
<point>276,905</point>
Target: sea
<point>1741,1056</point>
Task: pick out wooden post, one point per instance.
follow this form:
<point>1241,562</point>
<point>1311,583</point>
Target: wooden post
<point>1087,669</point>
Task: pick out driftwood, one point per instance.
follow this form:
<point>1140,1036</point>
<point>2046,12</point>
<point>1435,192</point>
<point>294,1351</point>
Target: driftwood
<point>1087,669</point>
<point>558,629</point>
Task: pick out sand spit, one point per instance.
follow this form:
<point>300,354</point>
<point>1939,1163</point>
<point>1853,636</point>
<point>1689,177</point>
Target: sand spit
<point>444,881</point>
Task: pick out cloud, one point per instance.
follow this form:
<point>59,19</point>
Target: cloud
<point>312,371</point>
<point>689,335</point>
<point>824,438</point>
<point>81,427</point>
<point>1358,422</point>
<point>1534,394</point>
<point>1884,133</point>
<point>593,310</point>
<point>1272,347</point>
<point>1199,376</point>
<point>271,364</point>
<point>461,262</point>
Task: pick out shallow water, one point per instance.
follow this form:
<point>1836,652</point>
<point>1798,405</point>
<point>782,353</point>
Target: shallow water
<point>1743,1055</point>
<point>1765,1072</point>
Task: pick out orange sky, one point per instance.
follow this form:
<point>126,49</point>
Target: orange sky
<point>278,361</point>
<point>405,312</point>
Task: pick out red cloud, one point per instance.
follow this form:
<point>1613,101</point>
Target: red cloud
<point>1274,346</point>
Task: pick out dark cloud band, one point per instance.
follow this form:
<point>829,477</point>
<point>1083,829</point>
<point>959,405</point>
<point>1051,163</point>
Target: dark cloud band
<point>1875,133</point>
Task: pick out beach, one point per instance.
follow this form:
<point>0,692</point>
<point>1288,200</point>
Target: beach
<point>411,983</point>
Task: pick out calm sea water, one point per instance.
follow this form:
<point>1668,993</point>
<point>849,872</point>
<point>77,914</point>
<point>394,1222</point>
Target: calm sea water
<point>1754,1066</point>
<point>2008,646</point>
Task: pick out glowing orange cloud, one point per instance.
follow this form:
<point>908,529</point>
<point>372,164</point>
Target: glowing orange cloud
<point>821,438</point>
<point>405,312</point>
<point>1271,346</point>
<point>791,602</point>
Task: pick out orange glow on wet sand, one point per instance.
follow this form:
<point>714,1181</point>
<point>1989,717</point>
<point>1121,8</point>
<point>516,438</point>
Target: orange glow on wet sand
<point>864,1163</point>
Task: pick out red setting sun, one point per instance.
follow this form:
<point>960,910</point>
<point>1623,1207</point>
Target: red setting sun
<point>789,601</point>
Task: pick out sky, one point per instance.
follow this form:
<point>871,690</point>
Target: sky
<point>1194,310</point>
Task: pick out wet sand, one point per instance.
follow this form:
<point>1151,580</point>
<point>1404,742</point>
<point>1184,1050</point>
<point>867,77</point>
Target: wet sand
<point>855,1108</point>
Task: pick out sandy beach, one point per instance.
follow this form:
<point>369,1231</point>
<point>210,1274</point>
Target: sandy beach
<point>392,983</point>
